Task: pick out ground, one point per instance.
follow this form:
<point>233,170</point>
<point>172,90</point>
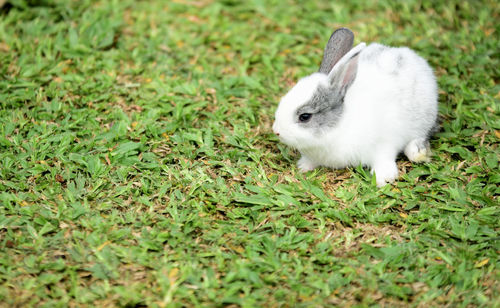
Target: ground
<point>138,165</point>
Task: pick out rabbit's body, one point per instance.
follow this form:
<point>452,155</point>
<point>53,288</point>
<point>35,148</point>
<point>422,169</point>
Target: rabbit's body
<point>376,102</point>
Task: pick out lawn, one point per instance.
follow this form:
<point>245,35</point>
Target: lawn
<point>139,168</point>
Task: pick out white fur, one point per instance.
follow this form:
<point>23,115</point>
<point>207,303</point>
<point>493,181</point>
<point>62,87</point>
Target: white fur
<point>386,109</point>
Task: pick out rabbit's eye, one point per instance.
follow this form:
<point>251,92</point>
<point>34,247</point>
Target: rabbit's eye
<point>305,117</point>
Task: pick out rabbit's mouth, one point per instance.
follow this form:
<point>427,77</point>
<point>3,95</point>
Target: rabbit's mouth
<point>291,142</point>
<point>282,138</point>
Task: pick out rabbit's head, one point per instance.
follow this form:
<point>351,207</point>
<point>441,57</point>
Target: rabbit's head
<point>314,105</point>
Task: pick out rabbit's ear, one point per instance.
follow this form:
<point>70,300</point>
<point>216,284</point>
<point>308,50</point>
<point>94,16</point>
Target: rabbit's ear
<point>338,45</point>
<point>344,73</point>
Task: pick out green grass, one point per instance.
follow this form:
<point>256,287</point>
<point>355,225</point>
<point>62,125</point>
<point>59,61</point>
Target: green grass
<point>138,167</point>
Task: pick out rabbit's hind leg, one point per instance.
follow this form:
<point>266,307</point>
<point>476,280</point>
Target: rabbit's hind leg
<point>418,150</point>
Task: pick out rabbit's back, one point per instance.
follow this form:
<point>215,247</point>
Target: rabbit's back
<point>395,93</point>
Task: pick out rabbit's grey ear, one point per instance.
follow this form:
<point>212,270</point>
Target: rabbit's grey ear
<point>338,45</point>
<point>344,74</point>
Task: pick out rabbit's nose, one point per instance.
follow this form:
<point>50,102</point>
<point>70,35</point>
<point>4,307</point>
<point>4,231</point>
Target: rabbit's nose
<point>275,130</point>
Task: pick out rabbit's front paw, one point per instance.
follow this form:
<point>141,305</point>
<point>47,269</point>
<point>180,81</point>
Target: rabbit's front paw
<point>304,164</point>
<point>385,172</point>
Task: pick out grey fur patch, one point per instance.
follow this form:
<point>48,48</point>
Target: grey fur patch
<point>399,61</point>
<point>399,65</point>
<point>326,107</point>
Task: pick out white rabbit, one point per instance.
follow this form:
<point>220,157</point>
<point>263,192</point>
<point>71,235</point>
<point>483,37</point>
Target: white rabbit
<point>364,106</point>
